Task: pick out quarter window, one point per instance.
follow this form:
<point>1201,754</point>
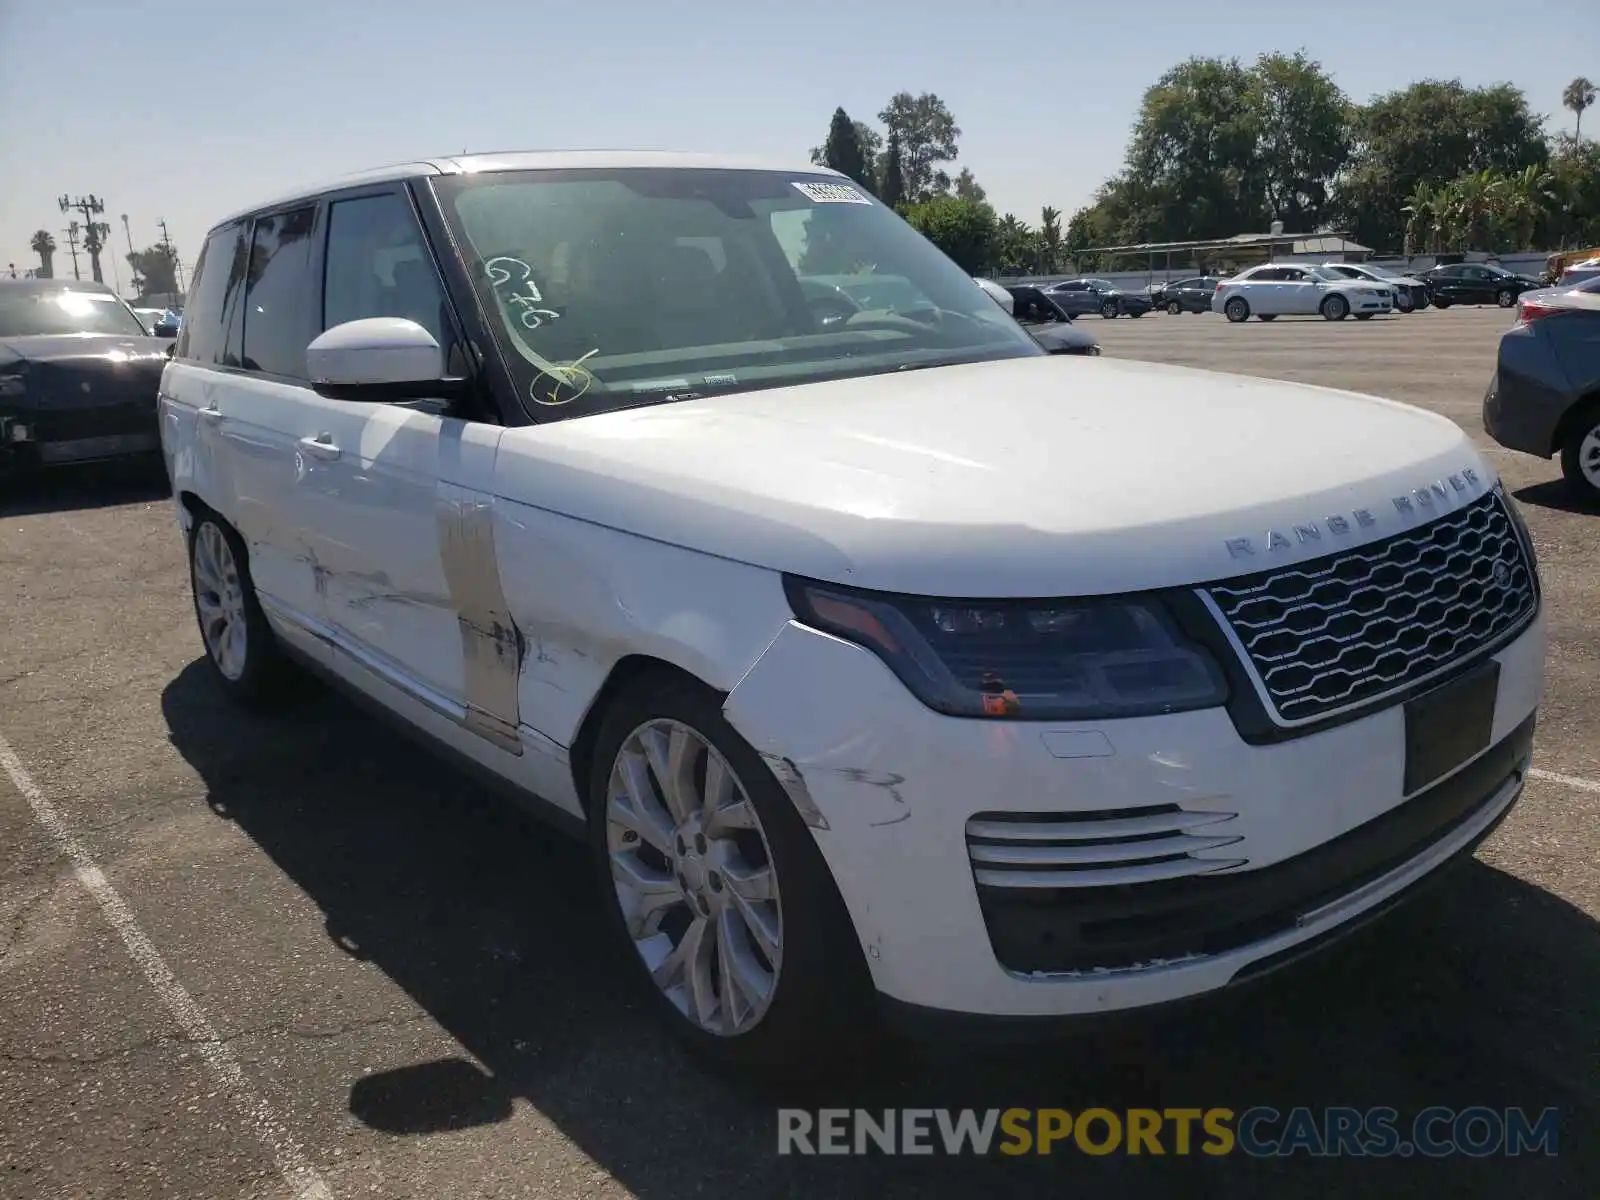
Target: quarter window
<point>217,276</point>
<point>278,297</point>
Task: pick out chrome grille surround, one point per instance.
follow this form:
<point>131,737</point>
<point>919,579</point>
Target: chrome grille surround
<point>1327,636</point>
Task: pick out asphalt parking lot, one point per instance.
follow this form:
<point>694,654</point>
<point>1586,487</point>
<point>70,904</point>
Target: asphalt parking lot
<point>328,965</point>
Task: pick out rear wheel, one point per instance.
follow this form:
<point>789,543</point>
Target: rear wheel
<point>1266,316</point>
<point>1174,307</point>
<point>1580,457</point>
<point>716,888</point>
<point>1364,316</point>
<point>1335,308</point>
<point>240,646</point>
<point>1237,309</point>
<point>1505,297</point>
<point>1136,313</point>
<point>1440,302</point>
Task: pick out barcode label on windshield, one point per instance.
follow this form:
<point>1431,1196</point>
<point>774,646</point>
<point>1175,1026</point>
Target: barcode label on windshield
<point>831,193</point>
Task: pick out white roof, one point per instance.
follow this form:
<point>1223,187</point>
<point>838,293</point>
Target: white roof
<point>533,160</point>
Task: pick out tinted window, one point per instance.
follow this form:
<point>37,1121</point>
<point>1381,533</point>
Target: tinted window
<point>217,277</point>
<point>378,266</point>
<point>279,300</point>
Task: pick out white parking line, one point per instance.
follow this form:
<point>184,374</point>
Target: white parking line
<point>1571,781</point>
<point>292,1163</point>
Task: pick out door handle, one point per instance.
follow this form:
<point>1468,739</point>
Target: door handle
<point>320,446</point>
<point>213,413</point>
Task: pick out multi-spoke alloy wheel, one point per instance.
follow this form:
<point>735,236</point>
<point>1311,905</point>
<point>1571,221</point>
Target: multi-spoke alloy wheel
<point>219,601</point>
<point>694,877</point>
<point>1580,457</point>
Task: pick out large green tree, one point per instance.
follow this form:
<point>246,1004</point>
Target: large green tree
<point>1302,130</point>
<point>843,151</point>
<point>891,177</point>
<point>1432,132</point>
<point>155,270</point>
<point>928,136</point>
<point>964,229</point>
<point>1194,148</point>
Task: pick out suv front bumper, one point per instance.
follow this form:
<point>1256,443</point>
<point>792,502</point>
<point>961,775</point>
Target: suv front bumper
<point>1318,832</point>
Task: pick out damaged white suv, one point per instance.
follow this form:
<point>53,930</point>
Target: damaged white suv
<point>886,662</point>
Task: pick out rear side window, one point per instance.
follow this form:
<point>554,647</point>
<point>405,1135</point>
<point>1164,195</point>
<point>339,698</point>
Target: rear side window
<point>217,277</point>
<point>280,301</point>
<point>377,265</point>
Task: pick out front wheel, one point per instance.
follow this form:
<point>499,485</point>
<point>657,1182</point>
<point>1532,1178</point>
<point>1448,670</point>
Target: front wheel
<point>1136,313</point>
<point>1237,310</point>
<point>1441,303</point>
<point>716,887</point>
<point>1174,307</point>
<point>1505,297</point>
<point>1108,310</point>
<point>1580,458</point>
<point>1335,308</point>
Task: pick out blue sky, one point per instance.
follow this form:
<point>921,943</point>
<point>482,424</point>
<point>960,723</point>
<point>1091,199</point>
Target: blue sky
<point>187,110</point>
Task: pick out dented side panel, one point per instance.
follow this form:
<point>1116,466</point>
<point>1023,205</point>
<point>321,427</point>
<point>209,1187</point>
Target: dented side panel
<point>584,596</point>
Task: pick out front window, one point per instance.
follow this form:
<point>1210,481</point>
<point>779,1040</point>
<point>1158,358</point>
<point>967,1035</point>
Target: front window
<point>614,288</point>
<point>28,313</point>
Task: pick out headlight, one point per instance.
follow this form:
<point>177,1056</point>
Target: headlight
<point>1023,659</point>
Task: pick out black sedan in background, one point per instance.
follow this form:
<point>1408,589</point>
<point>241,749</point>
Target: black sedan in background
<point>1476,283</point>
<point>1544,396</point>
<point>1187,295</point>
<point>1083,296</point>
<point>78,376</point>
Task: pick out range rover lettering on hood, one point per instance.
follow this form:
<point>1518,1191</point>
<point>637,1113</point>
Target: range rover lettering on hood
<point>1432,498</point>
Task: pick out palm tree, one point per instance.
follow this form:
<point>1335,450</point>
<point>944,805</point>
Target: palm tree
<point>44,246</point>
<point>1474,204</point>
<point>1422,220</point>
<point>94,242</point>
<point>1527,196</point>
<point>1049,239</point>
<point>1578,95</point>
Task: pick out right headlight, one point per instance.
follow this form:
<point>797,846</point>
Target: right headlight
<point>1052,660</point>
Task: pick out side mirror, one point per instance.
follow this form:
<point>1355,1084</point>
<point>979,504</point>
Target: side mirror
<point>164,329</point>
<point>380,360</point>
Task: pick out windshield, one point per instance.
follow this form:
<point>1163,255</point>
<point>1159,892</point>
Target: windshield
<point>30,313</point>
<point>1334,275</point>
<point>612,288</point>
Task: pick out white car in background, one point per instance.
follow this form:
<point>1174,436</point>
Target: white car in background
<point>1410,293</point>
<point>1287,289</point>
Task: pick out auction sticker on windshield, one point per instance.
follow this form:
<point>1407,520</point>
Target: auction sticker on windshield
<point>831,193</point>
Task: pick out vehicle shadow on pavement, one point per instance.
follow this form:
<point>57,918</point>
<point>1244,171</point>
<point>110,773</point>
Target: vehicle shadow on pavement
<point>75,488</point>
<point>1485,991</point>
<point>1553,494</point>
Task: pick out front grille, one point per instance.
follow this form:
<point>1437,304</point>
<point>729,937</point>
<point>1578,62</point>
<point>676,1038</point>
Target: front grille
<point>1338,632</point>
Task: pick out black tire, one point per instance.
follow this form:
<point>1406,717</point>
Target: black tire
<point>821,1004</point>
<point>1136,313</point>
<point>1364,316</point>
<point>268,678</point>
<point>1237,309</point>
<point>1403,302</point>
<point>1108,310</point>
<point>1505,297</point>
<point>1174,307</point>
<point>1266,316</point>
<point>1441,303</point>
<point>1583,487</point>
<point>1334,308</point>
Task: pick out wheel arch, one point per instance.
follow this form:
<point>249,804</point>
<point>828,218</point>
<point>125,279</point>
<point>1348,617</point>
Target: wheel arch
<point>1572,420</point>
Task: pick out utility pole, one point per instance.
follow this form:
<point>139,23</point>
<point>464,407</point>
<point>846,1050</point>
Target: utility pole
<point>172,252</point>
<point>72,244</point>
<point>90,206</point>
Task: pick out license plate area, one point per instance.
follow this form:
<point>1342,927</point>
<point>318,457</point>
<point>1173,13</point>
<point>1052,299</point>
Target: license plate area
<point>1449,725</point>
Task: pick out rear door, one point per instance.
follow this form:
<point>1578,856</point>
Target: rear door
<point>263,407</point>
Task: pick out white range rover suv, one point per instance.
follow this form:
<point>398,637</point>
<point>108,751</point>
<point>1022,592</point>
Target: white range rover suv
<point>888,663</point>
<point>1286,289</point>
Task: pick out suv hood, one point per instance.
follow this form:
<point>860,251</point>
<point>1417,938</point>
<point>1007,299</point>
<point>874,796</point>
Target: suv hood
<point>1047,476</point>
